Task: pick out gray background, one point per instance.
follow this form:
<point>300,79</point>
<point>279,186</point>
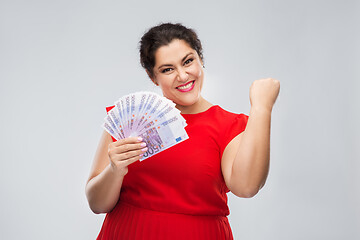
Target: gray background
<point>62,62</point>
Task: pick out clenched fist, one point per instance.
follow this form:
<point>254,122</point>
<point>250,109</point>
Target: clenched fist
<point>263,93</point>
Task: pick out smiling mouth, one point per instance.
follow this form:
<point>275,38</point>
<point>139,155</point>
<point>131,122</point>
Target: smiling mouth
<point>186,87</point>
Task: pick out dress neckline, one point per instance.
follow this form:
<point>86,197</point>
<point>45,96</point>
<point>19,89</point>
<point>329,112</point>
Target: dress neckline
<point>200,113</point>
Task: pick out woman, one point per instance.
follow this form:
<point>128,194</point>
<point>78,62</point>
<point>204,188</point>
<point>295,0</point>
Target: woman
<point>180,193</point>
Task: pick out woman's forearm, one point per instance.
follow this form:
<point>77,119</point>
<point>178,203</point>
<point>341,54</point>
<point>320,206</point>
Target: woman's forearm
<point>251,165</point>
<point>103,191</point>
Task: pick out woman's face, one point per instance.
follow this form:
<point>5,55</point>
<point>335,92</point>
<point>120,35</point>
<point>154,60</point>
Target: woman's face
<point>179,73</point>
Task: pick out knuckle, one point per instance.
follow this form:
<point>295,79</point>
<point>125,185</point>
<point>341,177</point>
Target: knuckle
<point>126,155</point>
<point>126,148</point>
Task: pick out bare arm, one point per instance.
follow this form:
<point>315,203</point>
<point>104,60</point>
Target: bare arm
<point>245,161</point>
<point>109,168</point>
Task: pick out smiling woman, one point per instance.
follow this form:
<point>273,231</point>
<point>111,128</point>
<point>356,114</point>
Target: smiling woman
<point>180,193</point>
<point>172,56</point>
<point>179,73</point>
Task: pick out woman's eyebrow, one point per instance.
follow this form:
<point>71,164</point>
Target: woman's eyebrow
<point>186,56</point>
<point>169,65</point>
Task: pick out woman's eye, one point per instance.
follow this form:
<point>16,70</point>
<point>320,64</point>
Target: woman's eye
<point>188,61</point>
<point>166,70</point>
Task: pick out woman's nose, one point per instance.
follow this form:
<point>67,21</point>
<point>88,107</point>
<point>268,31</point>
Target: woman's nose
<point>183,76</point>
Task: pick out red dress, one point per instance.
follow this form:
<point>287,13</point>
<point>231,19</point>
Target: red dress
<point>179,193</point>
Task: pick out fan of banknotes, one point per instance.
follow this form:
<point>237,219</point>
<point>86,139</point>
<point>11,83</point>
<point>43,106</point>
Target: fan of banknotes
<point>147,115</point>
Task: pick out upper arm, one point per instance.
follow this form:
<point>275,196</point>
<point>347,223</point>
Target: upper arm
<point>101,159</point>
<point>228,158</point>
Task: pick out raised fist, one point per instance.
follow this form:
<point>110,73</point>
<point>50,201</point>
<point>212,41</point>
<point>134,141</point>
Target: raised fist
<point>263,93</point>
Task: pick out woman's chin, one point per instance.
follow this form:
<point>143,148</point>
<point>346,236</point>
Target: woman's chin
<point>188,102</point>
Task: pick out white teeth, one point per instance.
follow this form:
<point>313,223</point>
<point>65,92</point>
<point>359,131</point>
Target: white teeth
<point>186,86</point>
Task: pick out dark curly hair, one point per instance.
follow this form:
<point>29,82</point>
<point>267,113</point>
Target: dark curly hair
<point>162,35</point>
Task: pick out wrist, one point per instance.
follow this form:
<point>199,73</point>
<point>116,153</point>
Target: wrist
<point>261,109</point>
<point>118,172</point>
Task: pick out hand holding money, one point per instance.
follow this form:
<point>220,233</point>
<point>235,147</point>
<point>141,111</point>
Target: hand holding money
<point>147,115</point>
<point>124,152</point>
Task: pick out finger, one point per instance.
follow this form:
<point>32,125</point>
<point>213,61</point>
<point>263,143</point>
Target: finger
<point>127,155</point>
<point>128,140</point>
<point>129,147</point>
<point>132,160</point>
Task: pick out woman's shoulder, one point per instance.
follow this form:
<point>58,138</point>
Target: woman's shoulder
<point>222,112</point>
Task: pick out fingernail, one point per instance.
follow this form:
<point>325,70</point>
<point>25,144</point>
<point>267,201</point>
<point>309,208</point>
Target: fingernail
<point>141,155</point>
<point>140,139</point>
<point>144,149</point>
<point>143,144</point>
